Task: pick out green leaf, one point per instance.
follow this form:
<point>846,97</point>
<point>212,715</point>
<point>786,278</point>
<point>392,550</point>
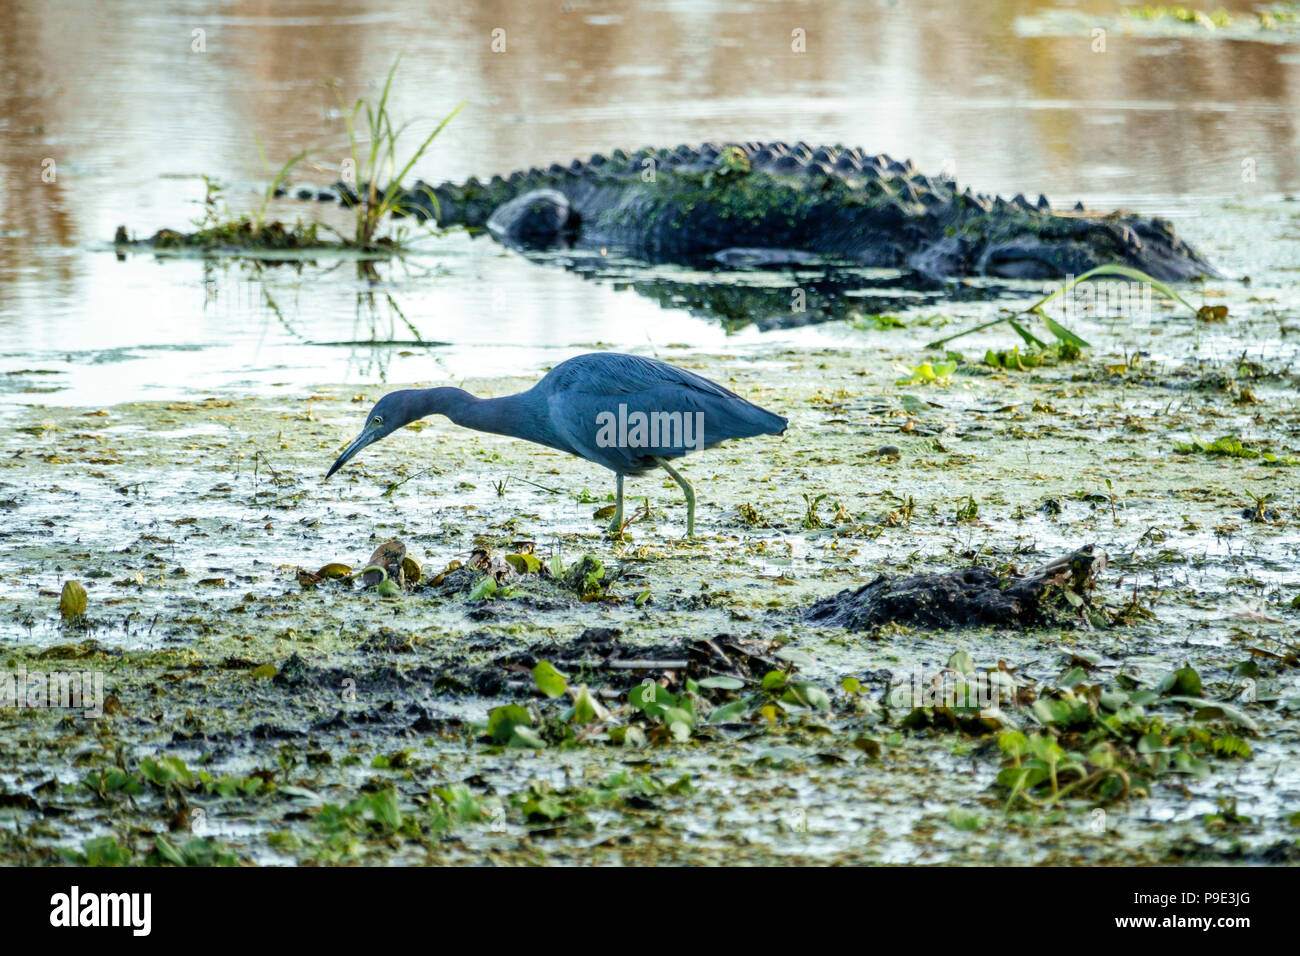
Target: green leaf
<point>1073,677</point>
<point>1184,682</point>
<point>165,771</point>
<point>526,738</point>
<point>965,819</point>
<point>384,807</point>
<point>1061,332</point>
<point>678,715</point>
<point>722,682</point>
<point>1215,710</point>
<point>586,708</point>
<point>168,851</point>
<point>808,695</point>
<point>503,720</point>
<point>548,680</point>
<point>729,713</point>
<point>795,656</point>
<point>961,662</point>
<point>1024,333</point>
<point>524,563</point>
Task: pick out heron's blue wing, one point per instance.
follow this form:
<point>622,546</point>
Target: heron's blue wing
<point>622,411</point>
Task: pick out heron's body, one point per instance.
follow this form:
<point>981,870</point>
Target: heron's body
<point>627,413</point>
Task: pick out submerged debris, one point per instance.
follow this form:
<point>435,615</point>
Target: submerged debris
<point>390,562</point>
<point>966,597</point>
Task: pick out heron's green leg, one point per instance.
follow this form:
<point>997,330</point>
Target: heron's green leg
<point>617,523</point>
<point>686,490</point>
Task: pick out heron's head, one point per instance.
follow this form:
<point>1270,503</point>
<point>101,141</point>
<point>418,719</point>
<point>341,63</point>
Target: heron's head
<point>395,410</point>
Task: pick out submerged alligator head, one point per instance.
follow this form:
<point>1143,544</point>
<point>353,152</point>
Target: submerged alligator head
<point>747,203</point>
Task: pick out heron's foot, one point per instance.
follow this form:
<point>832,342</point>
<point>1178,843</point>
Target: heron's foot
<point>616,524</point>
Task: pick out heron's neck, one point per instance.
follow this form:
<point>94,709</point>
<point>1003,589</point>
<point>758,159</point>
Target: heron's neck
<point>514,415</point>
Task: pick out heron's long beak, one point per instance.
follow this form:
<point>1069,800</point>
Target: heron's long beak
<point>367,437</point>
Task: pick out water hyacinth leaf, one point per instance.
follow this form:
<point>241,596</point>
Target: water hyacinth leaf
<point>1183,682</point>
<point>503,720</point>
<point>526,738</point>
<point>729,713</point>
<point>795,656</point>
<point>524,563</point>
<point>1186,763</point>
<point>1217,710</point>
<point>548,680</point>
<point>807,695</point>
<point>773,680</point>
<point>962,662</point>
<point>542,809</point>
<point>1073,677</point>
<point>1045,748</point>
<point>650,696</point>
<point>164,771</point>
<point>722,682</point>
<point>780,753</point>
<point>1013,743</point>
<point>1113,700</point>
<point>1022,778</point>
<point>1153,744</point>
<point>586,709</point>
<point>484,589</point>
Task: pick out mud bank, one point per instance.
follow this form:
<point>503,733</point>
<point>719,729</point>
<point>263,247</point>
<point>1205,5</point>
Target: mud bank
<point>254,715</point>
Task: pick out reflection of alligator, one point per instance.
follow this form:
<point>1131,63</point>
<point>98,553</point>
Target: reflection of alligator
<point>735,204</point>
<point>768,298</point>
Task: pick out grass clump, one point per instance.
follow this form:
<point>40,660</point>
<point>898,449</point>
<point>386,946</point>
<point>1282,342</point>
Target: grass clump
<point>382,159</point>
<point>1068,344</point>
<point>374,154</point>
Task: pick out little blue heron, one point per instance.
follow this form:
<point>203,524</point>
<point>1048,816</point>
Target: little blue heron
<point>628,413</point>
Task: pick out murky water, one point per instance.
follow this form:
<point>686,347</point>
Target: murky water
<point>132,107</point>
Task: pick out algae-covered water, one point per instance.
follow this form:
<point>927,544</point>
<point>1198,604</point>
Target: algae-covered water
<point>166,425</point>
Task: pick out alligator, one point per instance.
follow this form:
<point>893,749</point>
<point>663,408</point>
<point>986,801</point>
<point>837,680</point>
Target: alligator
<point>746,204</point>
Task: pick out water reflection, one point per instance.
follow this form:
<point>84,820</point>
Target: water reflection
<point>132,112</point>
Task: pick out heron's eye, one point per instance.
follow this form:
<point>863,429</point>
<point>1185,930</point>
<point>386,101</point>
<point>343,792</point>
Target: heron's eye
<point>377,421</point>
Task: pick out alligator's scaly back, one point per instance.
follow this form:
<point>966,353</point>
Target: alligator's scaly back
<point>723,202</point>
